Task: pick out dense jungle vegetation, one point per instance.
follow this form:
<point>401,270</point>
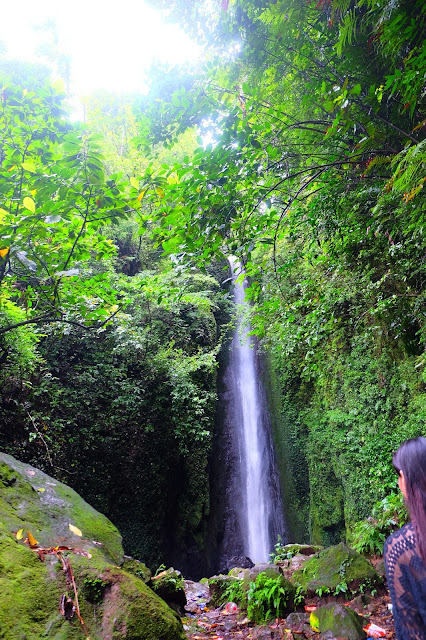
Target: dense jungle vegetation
<point>298,145</point>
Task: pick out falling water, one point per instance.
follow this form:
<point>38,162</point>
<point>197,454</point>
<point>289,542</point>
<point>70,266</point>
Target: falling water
<point>255,511</point>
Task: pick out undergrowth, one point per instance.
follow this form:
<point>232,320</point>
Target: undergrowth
<point>368,536</point>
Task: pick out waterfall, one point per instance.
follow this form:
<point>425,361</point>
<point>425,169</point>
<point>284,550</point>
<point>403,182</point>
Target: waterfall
<point>254,512</point>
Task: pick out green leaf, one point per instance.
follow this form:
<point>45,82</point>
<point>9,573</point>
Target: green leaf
<point>29,204</point>
<point>29,166</point>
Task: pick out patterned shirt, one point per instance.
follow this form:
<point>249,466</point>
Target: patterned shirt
<point>406,574</point>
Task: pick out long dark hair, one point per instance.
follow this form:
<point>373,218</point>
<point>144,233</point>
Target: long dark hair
<point>410,458</point>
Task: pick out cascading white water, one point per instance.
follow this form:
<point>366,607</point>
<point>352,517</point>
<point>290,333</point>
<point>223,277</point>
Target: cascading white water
<point>254,448</point>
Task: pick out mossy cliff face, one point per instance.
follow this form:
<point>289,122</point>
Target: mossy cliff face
<point>335,429</point>
<point>113,603</point>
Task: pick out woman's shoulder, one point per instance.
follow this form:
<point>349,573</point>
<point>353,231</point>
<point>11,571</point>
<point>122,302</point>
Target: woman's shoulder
<point>400,540</point>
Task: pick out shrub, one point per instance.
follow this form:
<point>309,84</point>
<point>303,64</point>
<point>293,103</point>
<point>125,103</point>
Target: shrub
<point>368,536</point>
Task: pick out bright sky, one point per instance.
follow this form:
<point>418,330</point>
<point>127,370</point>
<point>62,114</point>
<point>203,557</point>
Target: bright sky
<point>111,44</point>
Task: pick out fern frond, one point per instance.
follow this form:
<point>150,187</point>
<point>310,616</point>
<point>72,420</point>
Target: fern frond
<point>378,161</point>
<point>410,170</point>
<point>347,31</point>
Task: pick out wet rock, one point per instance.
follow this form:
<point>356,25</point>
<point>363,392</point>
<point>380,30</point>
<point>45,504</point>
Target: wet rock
<point>230,623</point>
<point>197,595</point>
<point>217,586</point>
<point>265,633</point>
<point>271,570</point>
<point>360,603</point>
<point>380,567</point>
<point>334,566</point>
<point>288,567</point>
<point>250,574</point>
<point>329,635</point>
<point>338,620</point>
<point>296,620</point>
<point>298,623</point>
<point>238,561</point>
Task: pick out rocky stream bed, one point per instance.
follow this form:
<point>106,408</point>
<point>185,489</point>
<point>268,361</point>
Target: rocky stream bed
<point>204,623</point>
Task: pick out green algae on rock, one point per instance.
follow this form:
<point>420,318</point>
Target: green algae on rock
<point>137,568</point>
<point>334,567</point>
<point>30,590</point>
<point>339,621</point>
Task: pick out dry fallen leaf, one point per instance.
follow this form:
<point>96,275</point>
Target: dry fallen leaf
<point>75,530</point>
<point>19,534</point>
<point>33,542</point>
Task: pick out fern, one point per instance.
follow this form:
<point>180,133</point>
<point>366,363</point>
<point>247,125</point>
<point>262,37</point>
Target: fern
<point>376,162</point>
<point>410,170</point>
<point>347,31</point>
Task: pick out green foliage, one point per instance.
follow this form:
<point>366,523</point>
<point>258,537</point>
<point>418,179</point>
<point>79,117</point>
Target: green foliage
<point>389,514</point>
<point>142,389</point>
<point>313,177</point>
<point>54,200</point>
<point>27,75</point>
<point>93,589</point>
<point>281,553</point>
<point>299,596</point>
<point>235,591</point>
<point>18,349</point>
<point>266,599</point>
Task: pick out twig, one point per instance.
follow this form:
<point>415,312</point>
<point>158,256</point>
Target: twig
<point>42,439</point>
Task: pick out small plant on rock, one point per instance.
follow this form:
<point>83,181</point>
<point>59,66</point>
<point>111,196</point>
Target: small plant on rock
<point>267,599</point>
<point>299,596</point>
<point>94,589</point>
<point>282,553</point>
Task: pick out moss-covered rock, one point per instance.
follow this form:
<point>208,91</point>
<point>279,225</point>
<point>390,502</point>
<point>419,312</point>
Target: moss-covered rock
<point>113,604</point>
<point>250,575</point>
<point>333,568</point>
<point>34,501</point>
<point>338,621</point>
<point>137,568</point>
<point>218,585</point>
<point>169,586</point>
<point>132,611</point>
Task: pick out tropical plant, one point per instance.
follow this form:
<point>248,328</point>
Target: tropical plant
<point>54,201</point>
<point>266,598</point>
<point>389,514</point>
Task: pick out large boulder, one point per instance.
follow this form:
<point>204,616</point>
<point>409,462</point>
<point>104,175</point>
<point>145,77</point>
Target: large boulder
<point>337,621</point>
<point>334,570</point>
<point>41,557</point>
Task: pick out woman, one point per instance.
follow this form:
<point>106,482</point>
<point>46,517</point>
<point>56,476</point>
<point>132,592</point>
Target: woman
<point>405,550</point>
